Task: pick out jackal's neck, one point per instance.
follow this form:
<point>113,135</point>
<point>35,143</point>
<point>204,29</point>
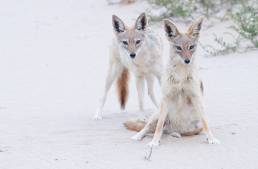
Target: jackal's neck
<point>177,68</point>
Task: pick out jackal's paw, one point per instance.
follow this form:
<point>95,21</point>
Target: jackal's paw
<point>97,117</point>
<point>176,134</point>
<point>153,143</point>
<point>123,111</point>
<point>213,140</point>
<point>137,137</point>
<point>142,117</point>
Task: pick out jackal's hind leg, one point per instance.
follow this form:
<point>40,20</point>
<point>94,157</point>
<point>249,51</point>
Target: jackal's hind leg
<point>150,83</point>
<point>140,91</point>
<point>114,71</point>
<point>149,127</point>
<point>175,134</point>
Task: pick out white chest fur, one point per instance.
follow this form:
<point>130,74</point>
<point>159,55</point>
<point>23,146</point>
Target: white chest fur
<point>181,87</point>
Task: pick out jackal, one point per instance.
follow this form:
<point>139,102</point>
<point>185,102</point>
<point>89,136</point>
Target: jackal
<point>181,107</point>
<point>137,50</point>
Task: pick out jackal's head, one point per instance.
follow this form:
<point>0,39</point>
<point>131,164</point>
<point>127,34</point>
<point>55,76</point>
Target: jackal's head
<point>130,39</point>
<point>183,44</point>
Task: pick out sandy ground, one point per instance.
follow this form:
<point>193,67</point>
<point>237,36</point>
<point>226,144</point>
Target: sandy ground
<point>53,60</point>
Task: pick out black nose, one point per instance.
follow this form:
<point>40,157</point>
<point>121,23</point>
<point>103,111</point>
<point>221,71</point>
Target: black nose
<point>187,61</point>
<point>132,55</point>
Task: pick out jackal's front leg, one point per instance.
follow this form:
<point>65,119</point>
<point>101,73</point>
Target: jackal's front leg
<point>160,125</point>
<point>197,103</point>
<point>209,135</point>
<point>147,128</point>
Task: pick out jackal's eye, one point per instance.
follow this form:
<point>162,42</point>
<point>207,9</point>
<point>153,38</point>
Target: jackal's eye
<point>125,42</point>
<point>138,42</point>
<point>178,48</point>
<point>191,47</point>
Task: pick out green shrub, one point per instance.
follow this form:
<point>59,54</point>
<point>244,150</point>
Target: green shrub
<point>178,8</point>
<point>246,20</point>
<point>183,8</point>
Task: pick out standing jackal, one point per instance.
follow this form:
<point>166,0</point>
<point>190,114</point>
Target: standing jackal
<point>137,50</point>
<point>181,106</point>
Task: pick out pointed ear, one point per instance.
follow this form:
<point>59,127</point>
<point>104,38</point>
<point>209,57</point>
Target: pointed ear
<point>195,27</point>
<point>118,24</point>
<point>170,29</point>
<point>141,22</point>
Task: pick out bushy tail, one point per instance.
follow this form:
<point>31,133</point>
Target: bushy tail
<point>134,124</point>
<point>122,87</point>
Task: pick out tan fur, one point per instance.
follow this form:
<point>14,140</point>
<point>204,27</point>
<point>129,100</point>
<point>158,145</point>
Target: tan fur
<point>122,88</point>
<point>134,125</point>
<point>194,132</point>
<point>194,28</point>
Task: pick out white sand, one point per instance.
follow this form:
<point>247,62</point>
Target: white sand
<point>53,60</point>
